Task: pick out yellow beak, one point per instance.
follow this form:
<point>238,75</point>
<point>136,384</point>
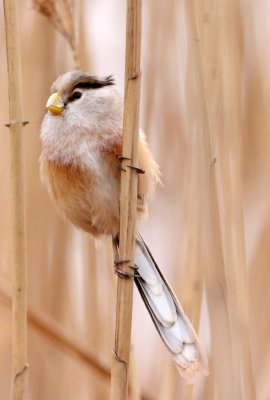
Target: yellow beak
<point>55,104</point>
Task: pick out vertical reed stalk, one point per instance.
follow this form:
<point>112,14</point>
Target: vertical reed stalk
<point>128,201</point>
<point>19,309</point>
<point>134,390</point>
<point>230,188</point>
<point>192,280</point>
<point>226,274</point>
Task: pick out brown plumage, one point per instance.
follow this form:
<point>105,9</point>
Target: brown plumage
<point>78,196</point>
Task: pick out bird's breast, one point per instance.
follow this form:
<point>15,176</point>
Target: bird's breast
<point>87,195</point>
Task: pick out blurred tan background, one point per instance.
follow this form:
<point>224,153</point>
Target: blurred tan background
<point>205,110</point>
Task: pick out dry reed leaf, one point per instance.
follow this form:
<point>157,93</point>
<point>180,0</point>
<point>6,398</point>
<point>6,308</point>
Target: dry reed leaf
<point>53,10</point>
<point>61,14</point>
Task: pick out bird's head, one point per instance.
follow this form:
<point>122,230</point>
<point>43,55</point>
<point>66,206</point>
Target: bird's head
<point>77,89</point>
<point>82,107</point>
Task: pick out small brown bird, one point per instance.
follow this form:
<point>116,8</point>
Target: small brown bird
<point>81,138</point>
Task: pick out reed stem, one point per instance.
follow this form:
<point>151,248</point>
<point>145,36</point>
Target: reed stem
<point>16,124</point>
<point>128,202</point>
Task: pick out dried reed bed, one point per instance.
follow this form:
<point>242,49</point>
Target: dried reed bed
<point>209,227</point>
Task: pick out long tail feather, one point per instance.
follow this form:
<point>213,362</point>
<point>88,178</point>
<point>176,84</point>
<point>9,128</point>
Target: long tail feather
<point>168,316</point>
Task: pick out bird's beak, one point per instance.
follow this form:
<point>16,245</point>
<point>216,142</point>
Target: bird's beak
<point>55,104</point>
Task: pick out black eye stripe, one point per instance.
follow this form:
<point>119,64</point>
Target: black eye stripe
<point>89,85</point>
<point>88,82</point>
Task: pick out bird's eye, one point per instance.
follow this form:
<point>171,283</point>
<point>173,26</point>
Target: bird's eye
<point>75,95</point>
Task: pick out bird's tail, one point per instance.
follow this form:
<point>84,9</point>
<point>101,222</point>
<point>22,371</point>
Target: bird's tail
<point>168,316</point>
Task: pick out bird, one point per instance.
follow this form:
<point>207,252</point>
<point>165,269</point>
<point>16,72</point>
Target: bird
<point>81,136</point>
